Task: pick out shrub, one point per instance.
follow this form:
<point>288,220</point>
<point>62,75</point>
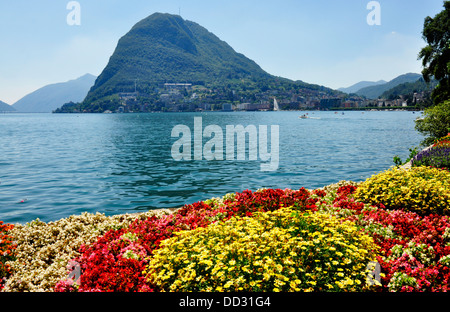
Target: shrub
<point>284,250</point>
<point>435,122</point>
<point>421,189</point>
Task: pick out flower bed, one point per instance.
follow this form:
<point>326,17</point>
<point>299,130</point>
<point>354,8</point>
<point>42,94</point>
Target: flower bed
<point>115,262</point>
<point>415,249</point>
<point>7,248</point>
<point>437,155</point>
<point>284,250</point>
<point>444,141</point>
<point>126,254</point>
<point>421,189</point>
<point>45,249</point>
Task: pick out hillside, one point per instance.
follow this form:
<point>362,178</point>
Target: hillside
<point>50,97</point>
<point>409,88</point>
<point>362,84</point>
<point>165,48</point>
<point>5,107</point>
<point>374,92</point>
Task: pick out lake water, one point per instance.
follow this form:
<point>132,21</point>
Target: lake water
<point>56,165</point>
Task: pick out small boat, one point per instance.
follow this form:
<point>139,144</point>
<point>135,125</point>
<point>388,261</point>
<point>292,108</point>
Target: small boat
<point>307,117</point>
<point>275,105</point>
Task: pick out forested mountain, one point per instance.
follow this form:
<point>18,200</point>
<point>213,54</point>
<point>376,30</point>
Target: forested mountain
<point>165,48</point>
<point>374,92</point>
<point>409,88</point>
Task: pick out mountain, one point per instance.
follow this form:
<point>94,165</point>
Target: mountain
<point>362,84</point>
<point>6,107</point>
<point>407,91</point>
<point>165,48</point>
<point>50,97</point>
<point>374,92</point>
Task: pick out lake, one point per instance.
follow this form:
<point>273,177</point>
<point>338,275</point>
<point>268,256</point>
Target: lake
<point>56,165</point>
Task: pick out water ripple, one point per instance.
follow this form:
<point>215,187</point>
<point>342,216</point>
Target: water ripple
<point>117,163</point>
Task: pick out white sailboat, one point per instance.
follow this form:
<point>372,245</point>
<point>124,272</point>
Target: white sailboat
<point>275,105</point>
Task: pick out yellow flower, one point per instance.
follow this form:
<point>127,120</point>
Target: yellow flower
<point>274,251</point>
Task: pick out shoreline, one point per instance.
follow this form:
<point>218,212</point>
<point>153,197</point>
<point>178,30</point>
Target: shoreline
<point>65,237</point>
<point>353,109</point>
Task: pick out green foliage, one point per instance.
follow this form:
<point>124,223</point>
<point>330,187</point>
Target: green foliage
<point>407,90</point>
<point>436,122</point>
<point>397,160</point>
<point>436,55</point>
<point>412,152</point>
<point>68,107</point>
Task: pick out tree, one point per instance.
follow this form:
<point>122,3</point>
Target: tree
<point>436,55</point>
<point>436,123</point>
<point>436,62</point>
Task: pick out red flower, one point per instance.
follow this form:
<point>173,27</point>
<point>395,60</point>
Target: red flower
<point>7,248</point>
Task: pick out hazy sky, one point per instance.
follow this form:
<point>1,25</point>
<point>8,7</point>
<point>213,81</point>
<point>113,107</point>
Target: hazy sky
<point>327,42</point>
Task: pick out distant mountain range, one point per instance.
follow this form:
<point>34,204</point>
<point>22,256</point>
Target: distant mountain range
<point>6,107</point>
<point>409,88</point>
<point>373,90</point>
<point>362,84</point>
<point>53,96</point>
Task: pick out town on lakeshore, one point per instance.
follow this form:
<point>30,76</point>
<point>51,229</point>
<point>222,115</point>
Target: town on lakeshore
<point>179,97</point>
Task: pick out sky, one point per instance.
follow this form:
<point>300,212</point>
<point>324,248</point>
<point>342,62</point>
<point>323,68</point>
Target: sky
<point>334,43</point>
